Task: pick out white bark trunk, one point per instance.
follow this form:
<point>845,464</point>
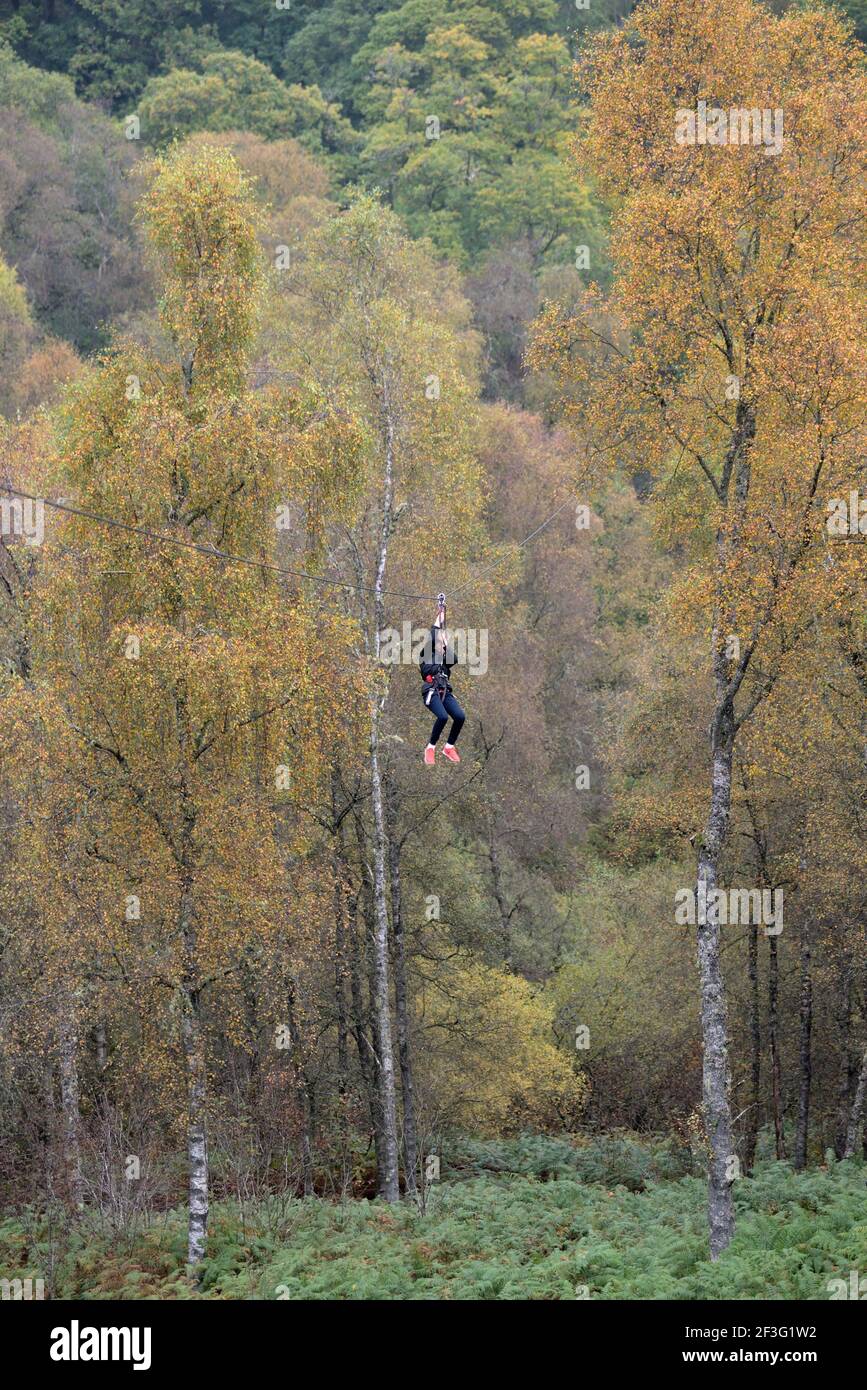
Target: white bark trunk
<point>716,1080</point>
<point>714,1022</point>
<point>856,1115</point>
<point>389,1178</point>
<point>404,1045</point>
<point>388,1184</point>
<point>197,1141</point>
<point>196,1074</point>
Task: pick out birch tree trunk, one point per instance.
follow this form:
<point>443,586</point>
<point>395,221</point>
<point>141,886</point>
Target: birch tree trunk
<point>856,1115</point>
<point>340,973</point>
<point>389,1181</point>
<point>410,1134</point>
<point>365,1030</point>
<point>194,1058</point>
<point>363,1045</point>
<point>389,1185</point>
<point>197,1140</point>
<point>716,1081</point>
<point>805,1056</point>
<point>714,1021</point>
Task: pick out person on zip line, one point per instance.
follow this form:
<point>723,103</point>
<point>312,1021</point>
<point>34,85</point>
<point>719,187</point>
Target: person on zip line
<point>435,664</point>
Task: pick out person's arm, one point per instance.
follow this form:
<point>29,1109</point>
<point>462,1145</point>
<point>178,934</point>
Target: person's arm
<point>429,668</point>
<point>440,625</point>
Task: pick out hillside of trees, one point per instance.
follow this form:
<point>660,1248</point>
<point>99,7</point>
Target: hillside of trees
<point>306,315</point>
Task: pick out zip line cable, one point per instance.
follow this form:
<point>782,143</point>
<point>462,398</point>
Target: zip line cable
<point>520,545</point>
<point>212,552</point>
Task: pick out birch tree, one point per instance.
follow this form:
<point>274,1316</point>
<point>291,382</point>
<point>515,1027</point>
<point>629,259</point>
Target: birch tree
<point>728,361</point>
<point>183,681</point>
<point>382,331</point>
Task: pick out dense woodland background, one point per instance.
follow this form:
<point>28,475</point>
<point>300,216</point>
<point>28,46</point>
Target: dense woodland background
<point>251,949</point>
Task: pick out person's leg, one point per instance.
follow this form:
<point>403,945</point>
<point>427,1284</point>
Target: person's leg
<point>437,709</point>
<point>435,705</point>
<point>457,715</point>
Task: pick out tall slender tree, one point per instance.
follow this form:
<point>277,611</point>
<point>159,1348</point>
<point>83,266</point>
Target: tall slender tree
<point>382,330</point>
<point>728,361</point>
<point>185,679</point>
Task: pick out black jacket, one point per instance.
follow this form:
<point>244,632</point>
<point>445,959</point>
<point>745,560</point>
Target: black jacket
<point>438,671</point>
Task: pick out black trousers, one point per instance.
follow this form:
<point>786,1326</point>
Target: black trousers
<point>443,708</point>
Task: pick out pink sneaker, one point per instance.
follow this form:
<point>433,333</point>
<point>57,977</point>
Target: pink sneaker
<point>451,753</point>
<point>430,754</point>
